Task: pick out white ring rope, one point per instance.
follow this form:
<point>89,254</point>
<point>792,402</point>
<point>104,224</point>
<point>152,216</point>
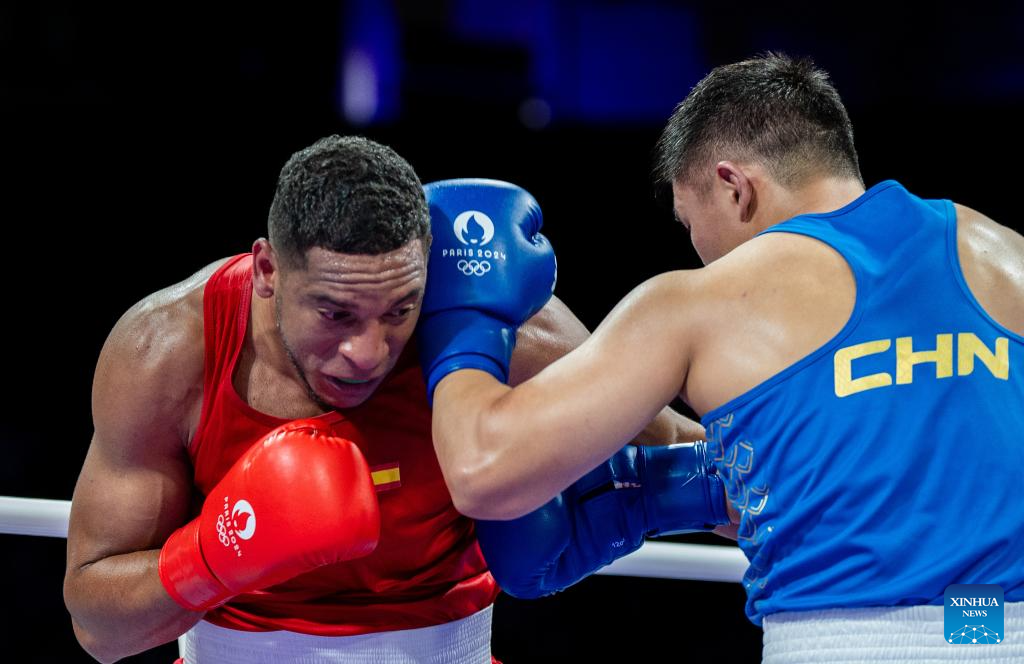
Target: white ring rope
<point>34,516</point>
<point>692,562</point>
<point>659,560</point>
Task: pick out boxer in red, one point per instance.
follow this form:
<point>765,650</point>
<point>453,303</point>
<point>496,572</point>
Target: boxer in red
<point>262,478</point>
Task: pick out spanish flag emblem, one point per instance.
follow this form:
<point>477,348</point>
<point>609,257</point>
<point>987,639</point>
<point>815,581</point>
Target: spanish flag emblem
<point>386,476</point>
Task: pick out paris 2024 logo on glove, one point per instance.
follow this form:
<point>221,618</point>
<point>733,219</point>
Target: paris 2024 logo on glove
<point>474,230</point>
<point>238,524</point>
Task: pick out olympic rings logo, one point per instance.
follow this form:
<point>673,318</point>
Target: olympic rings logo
<point>222,531</point>
<point>475,268</point>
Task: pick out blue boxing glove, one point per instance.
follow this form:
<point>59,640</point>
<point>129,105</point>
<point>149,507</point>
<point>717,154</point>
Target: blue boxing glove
<point>641,491</point>
<point>489,270</point>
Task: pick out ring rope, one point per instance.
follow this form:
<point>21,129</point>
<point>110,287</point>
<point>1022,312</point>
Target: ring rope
<point>659,560</point>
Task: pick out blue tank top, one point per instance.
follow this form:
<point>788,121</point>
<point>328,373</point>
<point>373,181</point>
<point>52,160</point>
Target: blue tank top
<point>889,463</point>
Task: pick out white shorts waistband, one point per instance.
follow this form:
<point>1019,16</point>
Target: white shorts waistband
<point>464,641</point>
<point>882,634</point>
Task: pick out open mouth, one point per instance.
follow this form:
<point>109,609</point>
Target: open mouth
<point>349,381</point>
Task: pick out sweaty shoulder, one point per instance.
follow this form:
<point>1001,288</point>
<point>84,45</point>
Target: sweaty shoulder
<point>765,305</point>
<point>992,260</point>
<point>548,335</point>
<point>150,371</point>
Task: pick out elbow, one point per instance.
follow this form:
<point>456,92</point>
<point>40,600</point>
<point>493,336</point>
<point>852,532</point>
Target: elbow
<point>99,650</point>
<point>473,494</point>
<point>485,471</point>
<point>110,632</point>
<point>486,494</point>
<point>477,483</point>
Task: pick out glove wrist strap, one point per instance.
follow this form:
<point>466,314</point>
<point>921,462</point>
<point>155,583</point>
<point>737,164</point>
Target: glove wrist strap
<point>184,573</point>
<point>682,489</point>
<point>465,339</point>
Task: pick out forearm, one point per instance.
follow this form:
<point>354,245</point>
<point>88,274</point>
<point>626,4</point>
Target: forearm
<point>119,607</point>
<point>506,452</point>
<point>466,455</point>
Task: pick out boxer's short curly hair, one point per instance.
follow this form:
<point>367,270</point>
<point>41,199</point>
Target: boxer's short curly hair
<point>779,111</point>
<point>346,194</point>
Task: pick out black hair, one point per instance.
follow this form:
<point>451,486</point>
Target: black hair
<point>346,194</point>
<point>777,110</point>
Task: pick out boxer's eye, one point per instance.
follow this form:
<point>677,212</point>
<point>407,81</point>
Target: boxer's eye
<point>335,316</point>
<point>401,314</point>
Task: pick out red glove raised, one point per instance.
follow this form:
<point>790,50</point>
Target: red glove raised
<point>298,499</point>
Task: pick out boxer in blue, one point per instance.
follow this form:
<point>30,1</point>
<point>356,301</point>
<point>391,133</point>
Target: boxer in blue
<point>640,491</point>
<point>856,356</point>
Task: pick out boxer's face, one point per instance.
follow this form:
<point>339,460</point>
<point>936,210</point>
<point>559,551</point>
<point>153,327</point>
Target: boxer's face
<point>711,219</point>
<point>345,319</point>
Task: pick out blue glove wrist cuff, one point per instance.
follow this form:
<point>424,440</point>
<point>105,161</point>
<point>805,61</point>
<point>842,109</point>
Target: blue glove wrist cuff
<point>464,339</point>
<point>683,491</point>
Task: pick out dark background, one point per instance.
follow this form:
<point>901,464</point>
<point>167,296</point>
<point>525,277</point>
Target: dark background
<point>140,145</point>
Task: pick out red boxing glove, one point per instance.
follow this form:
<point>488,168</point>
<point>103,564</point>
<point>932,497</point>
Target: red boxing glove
<point>298,499</point>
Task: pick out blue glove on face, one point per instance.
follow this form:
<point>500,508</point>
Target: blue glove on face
<point>640,491</point>
<point>489,270</point>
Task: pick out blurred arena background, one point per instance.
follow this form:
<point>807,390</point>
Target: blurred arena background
<point>141,144</point>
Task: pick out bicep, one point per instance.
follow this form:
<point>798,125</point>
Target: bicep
<point>135,485</point>
<point>553,333</point>
<point>607,390</point>
<point>124,502</point>
<point>507,451</point>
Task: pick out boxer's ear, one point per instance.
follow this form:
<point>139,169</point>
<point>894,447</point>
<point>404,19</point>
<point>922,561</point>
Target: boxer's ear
<point>739,188</point>
<point>265,268</point>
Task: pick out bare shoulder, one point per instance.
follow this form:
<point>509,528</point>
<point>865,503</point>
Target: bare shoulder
<point>992,259</point>
<point>769,273</point>
<point>134,488</point>
<point>546,336</point>
<point>764,306</point>
<point>149,373</point>
<point>988,240</point>
<point>801,263</point>
<point>982,233</point>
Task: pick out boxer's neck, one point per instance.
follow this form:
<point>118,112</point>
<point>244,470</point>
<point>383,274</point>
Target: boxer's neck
<point>268,346</point>
<point>819,196</point>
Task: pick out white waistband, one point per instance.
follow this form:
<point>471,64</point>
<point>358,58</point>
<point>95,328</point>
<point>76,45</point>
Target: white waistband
<point>465,641</point>
<point>882,634</point>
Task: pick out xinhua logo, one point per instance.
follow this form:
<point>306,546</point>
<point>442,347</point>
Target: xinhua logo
<point>974,614</point>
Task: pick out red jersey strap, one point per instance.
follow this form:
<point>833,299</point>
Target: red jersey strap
<point>226,301</point>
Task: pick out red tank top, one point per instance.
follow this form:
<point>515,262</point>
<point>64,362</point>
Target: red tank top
<point>427,568</point>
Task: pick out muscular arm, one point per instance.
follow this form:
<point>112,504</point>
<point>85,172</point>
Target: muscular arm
<point>551,334</point>
<point>505,452</point>
<point>555,331</point>
<point>135,485</point>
